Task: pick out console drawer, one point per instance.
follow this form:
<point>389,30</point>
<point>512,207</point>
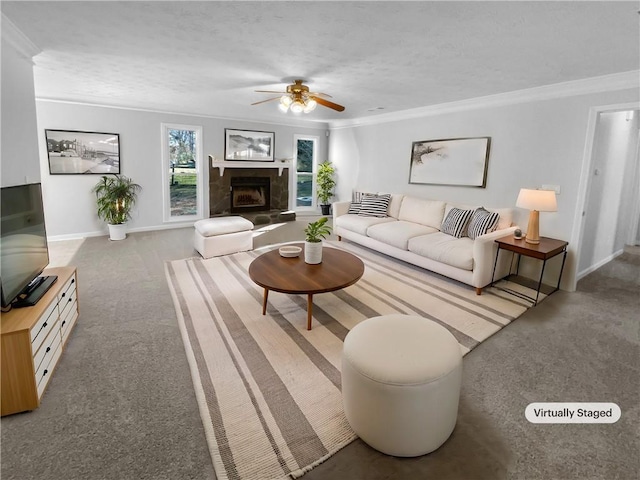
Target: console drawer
<point>46,324</point>
<point>42,356</point>
<point>45,373</point>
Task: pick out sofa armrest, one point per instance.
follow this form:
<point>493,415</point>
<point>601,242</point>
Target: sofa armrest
<point>484,256</point>
<point>340,208</point>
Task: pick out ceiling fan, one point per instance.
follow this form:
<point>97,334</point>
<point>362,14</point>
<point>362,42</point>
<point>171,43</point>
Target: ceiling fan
<point>298,98</point>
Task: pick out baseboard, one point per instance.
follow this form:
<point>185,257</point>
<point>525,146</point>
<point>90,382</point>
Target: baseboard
<point>101,233</point>
<point>596,266</point>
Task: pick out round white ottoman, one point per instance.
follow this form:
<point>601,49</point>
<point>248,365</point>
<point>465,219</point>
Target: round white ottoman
<point>401,378</point>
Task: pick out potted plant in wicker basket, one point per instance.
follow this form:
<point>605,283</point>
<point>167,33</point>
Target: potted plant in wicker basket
<point>315,232</point>
<point>115,197</point>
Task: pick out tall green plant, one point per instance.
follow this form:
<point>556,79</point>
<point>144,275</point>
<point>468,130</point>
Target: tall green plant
<point>325,182</point>
<point>317,230</point>
<point>115,196</point>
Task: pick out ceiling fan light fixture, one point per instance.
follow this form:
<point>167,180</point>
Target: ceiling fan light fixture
<point>283,108</point>
<point>297,106</point>
<point>311,105</point>
<point>286,101</point>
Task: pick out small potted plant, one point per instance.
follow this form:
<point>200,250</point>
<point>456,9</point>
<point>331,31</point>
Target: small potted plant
<point>314,233</point>
<point>115,197</point>
<point>325,185</point>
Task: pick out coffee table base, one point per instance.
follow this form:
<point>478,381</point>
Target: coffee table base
<point>309,306</point>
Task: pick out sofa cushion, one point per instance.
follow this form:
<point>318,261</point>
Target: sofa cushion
<point>395,204</point>
<point>360,224</point>
<point>375,205</point>
<point>422,211</point>
<point>398,234</point>
<point>482,221</point>
<point>456,221</point>
<point>443,248</point>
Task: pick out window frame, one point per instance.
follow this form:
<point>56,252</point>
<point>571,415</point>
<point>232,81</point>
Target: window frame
<point>294,177</point>
<point>166,193</point>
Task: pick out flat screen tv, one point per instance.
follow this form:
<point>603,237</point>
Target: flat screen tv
<point>23,245</point>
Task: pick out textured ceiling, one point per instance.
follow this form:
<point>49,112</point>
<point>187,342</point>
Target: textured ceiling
<point>207,58</point>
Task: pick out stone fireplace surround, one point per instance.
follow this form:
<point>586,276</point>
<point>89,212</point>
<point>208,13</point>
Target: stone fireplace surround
<point>220,193</point>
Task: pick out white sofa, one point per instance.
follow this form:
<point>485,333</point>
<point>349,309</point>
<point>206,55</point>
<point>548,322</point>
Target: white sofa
<point>411,232</point>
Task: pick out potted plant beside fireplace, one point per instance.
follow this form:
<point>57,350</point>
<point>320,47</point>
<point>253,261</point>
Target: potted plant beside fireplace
<point>325,183</point>
<point>115,197</point>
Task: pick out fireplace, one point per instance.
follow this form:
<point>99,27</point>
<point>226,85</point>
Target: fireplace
<point>250,194</point>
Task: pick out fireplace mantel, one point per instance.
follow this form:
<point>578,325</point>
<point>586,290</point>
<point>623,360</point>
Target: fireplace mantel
<point>222,164</point>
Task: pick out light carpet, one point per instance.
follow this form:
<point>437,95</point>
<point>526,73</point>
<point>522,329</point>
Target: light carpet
<point>269,391</point>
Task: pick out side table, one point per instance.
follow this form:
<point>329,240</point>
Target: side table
<point>545,250</point>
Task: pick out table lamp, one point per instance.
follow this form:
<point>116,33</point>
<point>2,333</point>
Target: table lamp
<point>536,201</point>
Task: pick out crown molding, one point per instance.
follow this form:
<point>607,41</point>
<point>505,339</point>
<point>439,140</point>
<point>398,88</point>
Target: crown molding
<point>18,40</point>
<point>317,125</point>
<point>605,83</point>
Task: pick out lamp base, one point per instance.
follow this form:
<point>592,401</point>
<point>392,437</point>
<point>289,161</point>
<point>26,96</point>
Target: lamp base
<point>533,230</point>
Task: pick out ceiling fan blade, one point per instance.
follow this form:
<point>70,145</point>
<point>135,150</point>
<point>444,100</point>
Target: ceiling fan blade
<point>327,103</point>
<point>268,91</point>
<point>315,94</point>
<point>265,101</point>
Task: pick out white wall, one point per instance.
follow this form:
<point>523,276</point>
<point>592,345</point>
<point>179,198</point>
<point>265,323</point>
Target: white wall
<point>19,163</point>
<point>610,196</point>
<point>532,143</point>
<point>71,210</point>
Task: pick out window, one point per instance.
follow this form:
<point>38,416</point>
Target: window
<point>182,172</point>
<point>304,181</point>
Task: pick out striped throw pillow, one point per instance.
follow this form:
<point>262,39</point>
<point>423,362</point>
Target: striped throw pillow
<point>355,208</point>
<point>456,222</point>
<point>482,221</point>
<point>375,205</point>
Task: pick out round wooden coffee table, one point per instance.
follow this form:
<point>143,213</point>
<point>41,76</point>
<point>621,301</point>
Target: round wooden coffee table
<point>338,270</point>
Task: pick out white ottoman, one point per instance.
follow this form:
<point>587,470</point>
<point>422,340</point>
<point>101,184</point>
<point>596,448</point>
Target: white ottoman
<point>401,378</point>
<point>223,235</point>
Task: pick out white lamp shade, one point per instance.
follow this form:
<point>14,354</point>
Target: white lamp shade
<point>297,106</point>
<point>540,200</point>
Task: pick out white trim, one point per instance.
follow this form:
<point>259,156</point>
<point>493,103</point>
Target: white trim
<point>18,40</point>
<point>605,83</point>
<point>602,262</point>
<point>105,233</point>
<point>633,238</point>
<point>577,231</point>
<point>166,196</point>
<point>300,124</point>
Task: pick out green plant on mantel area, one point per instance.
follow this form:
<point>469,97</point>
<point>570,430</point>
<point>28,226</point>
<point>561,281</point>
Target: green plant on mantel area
<point>316,231</point>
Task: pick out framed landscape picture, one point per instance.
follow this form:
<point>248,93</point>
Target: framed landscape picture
<point>248,145</point>
<point>454,161</point>
<point>74,152</point>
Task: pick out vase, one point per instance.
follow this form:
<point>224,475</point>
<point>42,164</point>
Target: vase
<point>117,232</point>
<point>313,252</point>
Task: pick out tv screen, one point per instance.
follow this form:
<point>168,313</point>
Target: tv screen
<point>23,239</point>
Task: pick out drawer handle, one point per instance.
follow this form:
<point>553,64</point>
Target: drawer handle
<point>45,372</point>
<point>63,295</point>
<point>44,325</point>
<point>47,350</point>
<point>63,322</point>
<point>70,299</point>
<point>73,280</point>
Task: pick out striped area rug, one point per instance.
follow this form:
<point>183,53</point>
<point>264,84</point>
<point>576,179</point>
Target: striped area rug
<point>269,391</point>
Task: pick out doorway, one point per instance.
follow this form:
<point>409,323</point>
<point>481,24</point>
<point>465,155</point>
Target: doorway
<point>610,211</point>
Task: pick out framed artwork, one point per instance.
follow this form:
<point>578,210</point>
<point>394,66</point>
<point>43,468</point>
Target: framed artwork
<point>453,161</point>
<point>248,145</point>
<point>74,152</point>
